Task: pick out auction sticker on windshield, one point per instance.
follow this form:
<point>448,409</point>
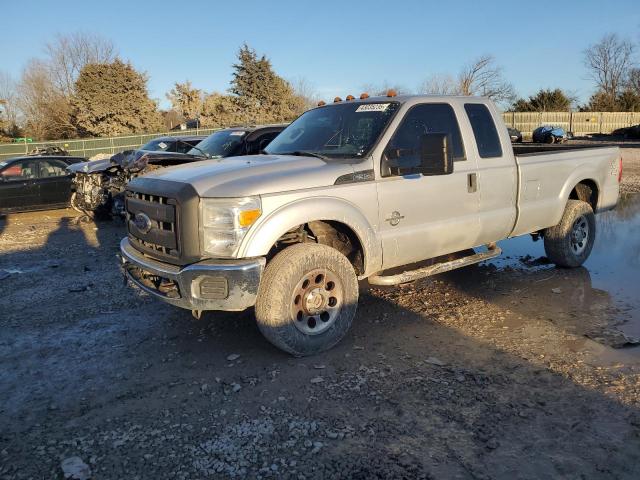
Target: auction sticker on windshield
<point>373,107</point>
<point>237,133</point>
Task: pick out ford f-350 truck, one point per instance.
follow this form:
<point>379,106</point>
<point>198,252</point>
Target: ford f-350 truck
<point>349,191</point>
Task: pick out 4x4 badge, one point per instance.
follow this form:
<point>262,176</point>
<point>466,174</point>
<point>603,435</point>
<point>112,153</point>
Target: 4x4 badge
<point>395,218</point>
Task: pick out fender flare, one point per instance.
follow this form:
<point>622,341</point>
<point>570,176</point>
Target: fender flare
<point>262,236</point>
<point>574,180</point>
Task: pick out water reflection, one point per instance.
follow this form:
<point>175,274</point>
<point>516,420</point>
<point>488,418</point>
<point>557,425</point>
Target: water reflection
<point>613,267</point>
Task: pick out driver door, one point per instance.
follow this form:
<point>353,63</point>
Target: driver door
<point>422,217</point>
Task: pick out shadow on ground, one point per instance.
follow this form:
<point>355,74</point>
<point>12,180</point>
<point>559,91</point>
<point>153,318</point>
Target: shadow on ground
<point>428,384</point>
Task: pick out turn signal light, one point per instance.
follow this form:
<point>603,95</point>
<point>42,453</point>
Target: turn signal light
<point>337,99</point>
<point>248,217</point>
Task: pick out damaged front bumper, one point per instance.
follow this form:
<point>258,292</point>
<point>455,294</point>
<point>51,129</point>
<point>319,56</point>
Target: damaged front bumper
<point>208,285</point>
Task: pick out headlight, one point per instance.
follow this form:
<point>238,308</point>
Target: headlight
<point>225,222</point>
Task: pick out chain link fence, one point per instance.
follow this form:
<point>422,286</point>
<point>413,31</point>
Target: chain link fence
<point>89,147</point>
<point>580,123</point>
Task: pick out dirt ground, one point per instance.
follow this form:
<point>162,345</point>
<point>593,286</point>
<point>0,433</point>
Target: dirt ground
<point>510,369</point>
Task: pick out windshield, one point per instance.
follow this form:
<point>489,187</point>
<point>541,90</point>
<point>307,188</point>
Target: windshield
<point>335,131</point>
<point>157,145</point>
<point>220,144</point>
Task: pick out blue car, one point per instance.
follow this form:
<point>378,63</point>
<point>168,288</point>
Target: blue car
<point>549,134</point>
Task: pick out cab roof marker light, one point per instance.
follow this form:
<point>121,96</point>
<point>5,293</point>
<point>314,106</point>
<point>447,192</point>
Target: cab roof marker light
<point>391,93</point>
<point>364,96</point>
<point>321,103</point>
<point>350,97</point>
<point>337,100</point>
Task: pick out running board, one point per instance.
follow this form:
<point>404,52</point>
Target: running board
<point>412,275</point>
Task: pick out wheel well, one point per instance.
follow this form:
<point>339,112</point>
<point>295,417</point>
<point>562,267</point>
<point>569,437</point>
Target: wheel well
<point>587,191</point>
<point>327,232</point>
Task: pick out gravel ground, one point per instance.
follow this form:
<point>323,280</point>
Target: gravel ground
<point>630,170</point>
<point>503,370</point>
<point>630,152</point>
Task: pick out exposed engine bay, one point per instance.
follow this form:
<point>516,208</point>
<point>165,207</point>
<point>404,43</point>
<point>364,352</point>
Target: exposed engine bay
<point>98,186</point>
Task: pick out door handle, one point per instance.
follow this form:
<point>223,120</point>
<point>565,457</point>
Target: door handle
<point>472,183</point>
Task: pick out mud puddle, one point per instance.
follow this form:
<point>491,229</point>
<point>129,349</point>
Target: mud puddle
<point>605,291</point>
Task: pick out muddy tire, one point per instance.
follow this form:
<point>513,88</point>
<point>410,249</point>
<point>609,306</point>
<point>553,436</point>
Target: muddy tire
<point>307,299</point>
<point>569,243</point>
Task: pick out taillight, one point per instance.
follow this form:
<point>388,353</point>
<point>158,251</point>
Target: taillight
<point>620,171</point>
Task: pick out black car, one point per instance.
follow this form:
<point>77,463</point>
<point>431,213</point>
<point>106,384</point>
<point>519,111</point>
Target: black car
<point>515,135</point>
<point>98,186</point>
<point>35,183</point>
<point>172,144</point>
<point>628,132</point>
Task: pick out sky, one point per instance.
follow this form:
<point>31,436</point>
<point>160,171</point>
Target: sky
<point>336,46</point>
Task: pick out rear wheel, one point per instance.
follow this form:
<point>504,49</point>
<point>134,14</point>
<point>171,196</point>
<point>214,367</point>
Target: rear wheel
<point>569,243</point>
<point>307,299</point>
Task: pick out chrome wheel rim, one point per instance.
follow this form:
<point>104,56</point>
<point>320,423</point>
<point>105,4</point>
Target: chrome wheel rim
<point>316,301</point>
<point>580,235</point>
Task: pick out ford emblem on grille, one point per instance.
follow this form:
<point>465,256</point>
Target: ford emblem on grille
<point>142,222</point>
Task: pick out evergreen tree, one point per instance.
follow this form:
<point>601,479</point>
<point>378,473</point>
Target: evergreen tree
<point>545,100</point>
<point>186,100</point>
<point>112,99</point>
<point>262,95</point>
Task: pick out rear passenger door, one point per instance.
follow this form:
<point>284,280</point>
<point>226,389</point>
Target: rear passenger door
<point>497,173</point>
<point>423,217</point>
<point>55,182</point>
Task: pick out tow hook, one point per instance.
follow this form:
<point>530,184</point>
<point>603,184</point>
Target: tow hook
<point>197,314</point>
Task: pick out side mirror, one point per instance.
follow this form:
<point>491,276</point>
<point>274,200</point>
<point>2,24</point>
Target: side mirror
<point>436,157</point>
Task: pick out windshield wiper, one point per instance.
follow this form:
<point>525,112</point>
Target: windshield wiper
<point>193,147</point>
<point>302,153</point>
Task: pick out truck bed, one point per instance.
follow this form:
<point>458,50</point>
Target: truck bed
<point>526,149</point>
<point>547,174</point>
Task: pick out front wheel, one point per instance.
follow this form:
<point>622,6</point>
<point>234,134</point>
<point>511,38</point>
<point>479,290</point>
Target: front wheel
<point>74,202</point>
<point>569,243</point>
<point>307,299</point>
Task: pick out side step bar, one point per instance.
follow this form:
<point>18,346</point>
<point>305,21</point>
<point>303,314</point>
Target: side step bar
<point>411,275</point>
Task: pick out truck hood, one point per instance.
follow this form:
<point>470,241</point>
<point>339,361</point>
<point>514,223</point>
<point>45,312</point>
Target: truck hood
<point>254,175</point>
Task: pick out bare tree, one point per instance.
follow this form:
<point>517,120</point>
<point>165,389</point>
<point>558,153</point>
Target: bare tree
<point>483,77</point>
<point>67,54</point>
<point>609,62</point>
<point>304,89</point>
<point>440,84</point>
<point>46,110</point>
<point>8,100</point>
<point>634,80</point>
<point>384,87</point>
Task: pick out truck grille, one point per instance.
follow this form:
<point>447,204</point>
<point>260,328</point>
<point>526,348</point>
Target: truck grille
<point>152,223</point>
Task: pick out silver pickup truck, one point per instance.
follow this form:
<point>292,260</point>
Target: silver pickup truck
<point>347,192</point>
